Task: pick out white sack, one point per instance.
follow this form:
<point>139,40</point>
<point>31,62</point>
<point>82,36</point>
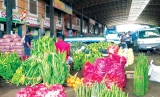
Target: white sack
<point>154,72</point>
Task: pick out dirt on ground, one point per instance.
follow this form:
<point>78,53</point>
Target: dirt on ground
<point>8,90</point>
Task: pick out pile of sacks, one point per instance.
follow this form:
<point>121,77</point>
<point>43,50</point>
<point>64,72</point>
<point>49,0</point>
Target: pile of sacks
<point>12,43</point>
<point>110,69</point>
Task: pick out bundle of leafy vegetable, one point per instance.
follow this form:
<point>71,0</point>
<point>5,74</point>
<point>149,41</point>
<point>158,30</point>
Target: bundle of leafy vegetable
<point>141,76</point>
<point>81,57</point>
<point>79,60</point>
<point>44,65</point>
<point>9,62</point>
<point>99,90</point>
<point>99,45</point>
<point>76,46</point>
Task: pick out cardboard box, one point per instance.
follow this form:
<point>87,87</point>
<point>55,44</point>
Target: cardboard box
<point>129,74</point>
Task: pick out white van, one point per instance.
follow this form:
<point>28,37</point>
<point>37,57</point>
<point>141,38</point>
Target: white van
<point>112,36</point>
<point>146,39</point>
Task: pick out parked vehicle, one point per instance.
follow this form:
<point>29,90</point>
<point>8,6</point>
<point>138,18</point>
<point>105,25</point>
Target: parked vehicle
<point>146,39</point>
<point>112,35</point>
<point>157,28</point>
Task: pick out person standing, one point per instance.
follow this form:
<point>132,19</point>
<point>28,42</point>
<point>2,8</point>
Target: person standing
<point>128,40</point>
<point>70,33</point>
<point>123,44</point>
<point>27,44</point>
<point>62,46</point>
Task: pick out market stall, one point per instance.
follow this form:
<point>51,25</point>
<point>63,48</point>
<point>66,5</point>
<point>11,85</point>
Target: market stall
<point>45,72</point>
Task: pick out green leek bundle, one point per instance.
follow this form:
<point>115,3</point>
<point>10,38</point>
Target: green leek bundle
<point>99,90</point>
<point>141,76</point>
<point>43,66</point>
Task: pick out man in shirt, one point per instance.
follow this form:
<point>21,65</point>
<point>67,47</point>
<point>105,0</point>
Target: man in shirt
<point>27,44</point>
<point>62,46</point>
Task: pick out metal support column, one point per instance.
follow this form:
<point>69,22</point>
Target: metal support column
<point>9,16</point>
<point>71,18</point>
<point>102,28</point>
<point>94,27</point>
<point>89,24</point>
<point>82,22</point>
<point>51,18</point>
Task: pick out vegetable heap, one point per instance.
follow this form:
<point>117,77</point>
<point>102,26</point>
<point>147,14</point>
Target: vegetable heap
<point>81,58</point>
<point>74,81</point>
<point>44,65</point>
<point>9,62</point>
<point>141,76</point>
<point>42,90</point>
<point>99,46</point>
<point>99,90</point>
<point>76,46</point>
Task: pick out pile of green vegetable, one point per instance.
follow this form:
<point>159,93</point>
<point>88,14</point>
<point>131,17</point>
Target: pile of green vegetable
<point>76,46</point>
<point>99,46</point>
<point>81,57</point>
<point>141,76</point>
<point>9,62</point>
<point>99,90</point>
<point>44,65</point>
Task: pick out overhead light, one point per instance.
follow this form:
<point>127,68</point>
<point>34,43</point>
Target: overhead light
<point>136,9</point>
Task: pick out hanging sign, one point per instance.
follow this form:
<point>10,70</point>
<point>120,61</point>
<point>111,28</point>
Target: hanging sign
<point>15,17</point>
<point>92,21</point>
<point>46,24</point>
<point>32,21</point>
<point>23,15</point>
<point>62,6</point>
<point>58,24</point>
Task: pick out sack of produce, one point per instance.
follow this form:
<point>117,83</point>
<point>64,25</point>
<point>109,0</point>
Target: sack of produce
<point>7,36</point>
<point>7,40</point>
<point>101,65</point>
<point>17,47</point>
<point>12,43</point>
<point>92,78</point>
<point>1,47</point>
<point>15,36</point>
<point>7,44</point>
<point>1,40</point>
<point>130,56</point>
<point>115,75</point>
<point>17,40</point>
<point>113,49</point>
<point>89,70</point>
<point>85,68</point>
<point>7,47</point>
<point>154,72</point>
<point>19,43</point>
<point>118,59</point>
<point>1,44</point>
